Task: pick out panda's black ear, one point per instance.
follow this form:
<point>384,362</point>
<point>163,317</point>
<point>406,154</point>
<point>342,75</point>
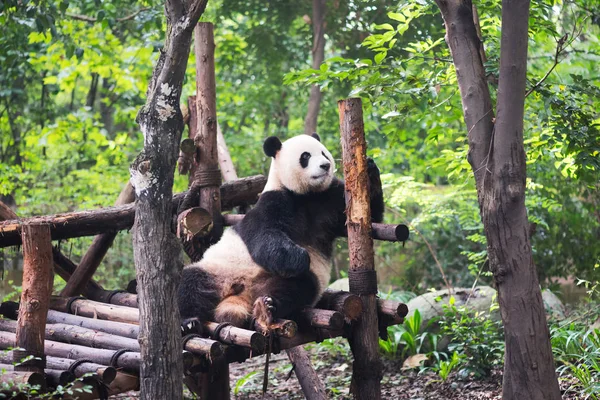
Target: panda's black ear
<point>271,146</point>
<point>316,136</point>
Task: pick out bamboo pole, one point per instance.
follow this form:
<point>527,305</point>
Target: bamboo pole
<point>367,368</point>
<point>37,286</point>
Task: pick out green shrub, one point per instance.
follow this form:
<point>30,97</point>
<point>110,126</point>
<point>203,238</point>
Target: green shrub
<point>477,339</point>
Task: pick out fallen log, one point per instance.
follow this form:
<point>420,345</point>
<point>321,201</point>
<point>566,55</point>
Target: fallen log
<point>93,222</point>
<point>385,232</point>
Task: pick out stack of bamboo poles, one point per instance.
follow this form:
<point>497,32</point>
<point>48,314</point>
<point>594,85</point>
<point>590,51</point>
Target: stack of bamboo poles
<point>97,342</point>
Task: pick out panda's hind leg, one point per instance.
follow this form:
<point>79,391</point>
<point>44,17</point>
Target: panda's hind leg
<point>198,297</point>
<point>235,309</point>
<point>282,298</point>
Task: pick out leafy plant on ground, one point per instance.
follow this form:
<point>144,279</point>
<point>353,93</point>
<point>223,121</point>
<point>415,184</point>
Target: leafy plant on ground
<point>576,346</point>
<point>478,339</point>
<point>408,338</point>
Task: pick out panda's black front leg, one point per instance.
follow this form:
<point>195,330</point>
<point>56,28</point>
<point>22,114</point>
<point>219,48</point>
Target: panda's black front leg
<point>276,253</point>
<point>375,191</point>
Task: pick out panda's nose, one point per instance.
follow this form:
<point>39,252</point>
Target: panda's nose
<point>325,167</point>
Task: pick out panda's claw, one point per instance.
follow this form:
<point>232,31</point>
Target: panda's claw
<point>191,326</point>
<point>264,309</point>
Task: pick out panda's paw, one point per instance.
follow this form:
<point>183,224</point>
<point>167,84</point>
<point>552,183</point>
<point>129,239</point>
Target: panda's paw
<point>264,309</point>
<point>191,326</point>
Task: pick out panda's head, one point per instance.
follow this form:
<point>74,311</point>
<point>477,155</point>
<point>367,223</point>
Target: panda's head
<point>300,164</point>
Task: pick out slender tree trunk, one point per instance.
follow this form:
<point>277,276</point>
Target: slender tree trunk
<point>497,158</point>
<point>318,55</point>
<point>528,366</point>
<point>157,252</point>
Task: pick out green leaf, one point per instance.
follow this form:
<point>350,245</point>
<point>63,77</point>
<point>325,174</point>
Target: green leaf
<point>379,57</point>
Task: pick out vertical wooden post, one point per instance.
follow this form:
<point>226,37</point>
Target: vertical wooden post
<point>207,177</point>
<point>37,287</point>
<point>367,368</point>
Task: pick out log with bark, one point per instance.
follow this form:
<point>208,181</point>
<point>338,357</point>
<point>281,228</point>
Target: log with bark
<point>12,380</point>
<point>53,377</point>
<point>37,285</point>
<point>127,360</point>
<point>92,222</point>
<point>105,373</point>
<point>386,232</point>
<point>367,368</point>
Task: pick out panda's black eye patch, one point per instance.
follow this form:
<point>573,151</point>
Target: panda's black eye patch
<point>325,155</point>
<point>304,159</point>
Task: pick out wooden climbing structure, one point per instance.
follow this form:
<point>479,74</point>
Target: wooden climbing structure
<point>90,332</point>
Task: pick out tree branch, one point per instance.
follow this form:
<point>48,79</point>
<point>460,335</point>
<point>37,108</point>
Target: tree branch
<point>86,18</point>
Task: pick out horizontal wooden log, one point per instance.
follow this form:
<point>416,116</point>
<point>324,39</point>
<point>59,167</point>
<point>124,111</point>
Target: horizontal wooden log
<point>208,348</point>
<point>128,360</point>
<point>53,377</point>
<point>93,222</point>
<point>326,319</point>
<point>12,380</point>
<point>391,312</point>
<point>106,374</point>
<point>9,309</point>
<point>115,328</point>
<point>95,309</point>
<point>385,232</point>
<point>113,312</point>
<point>78,335</point>
<point>346,303</point>
<point>237,336</point>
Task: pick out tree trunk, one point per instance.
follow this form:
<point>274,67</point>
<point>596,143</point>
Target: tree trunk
<point>157,252</point>
<point>498,162</point>
<point>528,365</point>
<point>318,55</point>
<point>367,368</point>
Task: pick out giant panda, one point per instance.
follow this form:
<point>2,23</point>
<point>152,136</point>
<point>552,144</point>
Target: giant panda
<point>276,261</point>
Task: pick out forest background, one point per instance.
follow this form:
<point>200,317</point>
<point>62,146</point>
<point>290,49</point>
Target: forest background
<point>73,75</point>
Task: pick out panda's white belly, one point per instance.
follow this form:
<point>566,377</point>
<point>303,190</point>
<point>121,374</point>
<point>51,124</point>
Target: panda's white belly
<point>230,257</point>
<point>321,267</point>
<point>230,262</point>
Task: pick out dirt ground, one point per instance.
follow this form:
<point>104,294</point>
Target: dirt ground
<point>335,371</point>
